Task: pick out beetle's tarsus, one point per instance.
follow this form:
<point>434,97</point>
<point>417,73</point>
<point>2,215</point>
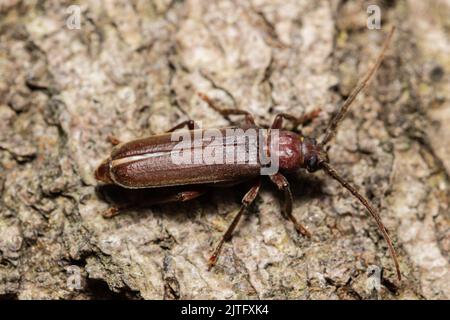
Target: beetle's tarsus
<point>302,230</point>
<point>113,140</point>
<point>111,212</point>
<point>213,260</point>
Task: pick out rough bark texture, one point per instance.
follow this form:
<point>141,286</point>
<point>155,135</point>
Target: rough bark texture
<point>134,69</point>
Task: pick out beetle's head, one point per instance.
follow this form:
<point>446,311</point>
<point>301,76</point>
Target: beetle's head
<point>313,155</point>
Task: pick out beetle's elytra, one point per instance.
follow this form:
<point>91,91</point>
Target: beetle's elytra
<point>149,163</point>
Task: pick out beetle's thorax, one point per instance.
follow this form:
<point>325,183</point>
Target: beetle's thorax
<point>288,150</point>
<point>295,151</point>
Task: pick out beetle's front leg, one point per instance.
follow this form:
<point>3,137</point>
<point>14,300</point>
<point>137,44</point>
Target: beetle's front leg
<point>296,121</point>
<point>283,185</point>
<point>248,199</point>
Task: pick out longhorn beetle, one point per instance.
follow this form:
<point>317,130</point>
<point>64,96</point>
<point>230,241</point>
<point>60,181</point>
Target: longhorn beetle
<point>148,162</point>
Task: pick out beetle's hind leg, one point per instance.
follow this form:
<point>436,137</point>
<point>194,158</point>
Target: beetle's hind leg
<point>156,198</point>
<point>283,185</point>
<point>248,199</point>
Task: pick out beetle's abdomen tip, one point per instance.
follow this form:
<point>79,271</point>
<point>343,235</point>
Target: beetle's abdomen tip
<point>102,172</point>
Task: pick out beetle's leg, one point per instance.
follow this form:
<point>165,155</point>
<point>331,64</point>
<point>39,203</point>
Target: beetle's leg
<point>113,140</point>
<point>180,196</point>
<point>227,112</point>
<point>249,197</point>
<point>283,185</point>
<point>296,121</point>
<point>188,123</point>
<point>111,212</point>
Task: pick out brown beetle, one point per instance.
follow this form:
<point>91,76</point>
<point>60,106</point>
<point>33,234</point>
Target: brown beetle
<point>149,162</point>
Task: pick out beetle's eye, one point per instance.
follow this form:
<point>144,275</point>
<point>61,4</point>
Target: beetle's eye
<point>312,162</point>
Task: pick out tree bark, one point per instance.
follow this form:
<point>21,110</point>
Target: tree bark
<point>134,69</point>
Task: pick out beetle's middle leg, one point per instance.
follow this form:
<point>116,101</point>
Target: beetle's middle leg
<point>190,124</point>
<point>249,120</point>
<point>281,182</point>
<point>248,199</point>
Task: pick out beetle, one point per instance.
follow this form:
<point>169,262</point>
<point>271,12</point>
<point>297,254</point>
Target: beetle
<point>148,162</point>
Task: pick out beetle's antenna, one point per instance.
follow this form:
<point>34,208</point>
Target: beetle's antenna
<point>333,173</point>
<point>330,132</point>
